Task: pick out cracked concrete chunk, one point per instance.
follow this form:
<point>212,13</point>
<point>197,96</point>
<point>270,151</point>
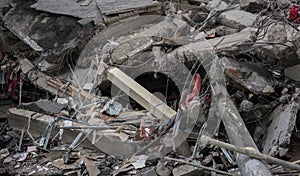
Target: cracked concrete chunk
<point>187,170</point>
<point>218,4</point>
<point>150,172</point>
<point>68,7</point>
<point>251,76</point>
<point>198,2</point>
<point>129,48</point>
<point>281,33</point>
<point>280,130</point>
<point>42,32</point>
<point>224,30</point>
<point>237,19</point>
<point>109,7</point>
<point>162,170</point>
<point>253,5</point>
<point>4,3</point>
<point>44,106</point>
<point>229,43</point>
<point>293,72</point>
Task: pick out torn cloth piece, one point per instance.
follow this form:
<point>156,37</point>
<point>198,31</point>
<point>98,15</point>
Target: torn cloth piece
<point>1,56</point>
<point>101,68</point>
<point>196,90</point>
<point>12,81</point>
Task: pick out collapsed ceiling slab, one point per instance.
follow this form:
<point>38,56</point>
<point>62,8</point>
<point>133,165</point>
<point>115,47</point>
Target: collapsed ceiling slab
<point>115,6</point>
<point>41,31</point>
<point>68,7</point>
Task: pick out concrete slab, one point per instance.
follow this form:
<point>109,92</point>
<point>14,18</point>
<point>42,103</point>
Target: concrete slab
<point>110,7</point>
<point>68,7</point>
<point>280,130</point>
<point>237,19</point>
<point>187,170</point>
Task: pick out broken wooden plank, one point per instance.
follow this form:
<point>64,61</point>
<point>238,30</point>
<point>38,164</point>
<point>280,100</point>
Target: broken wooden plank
<point>150,102</point>
<point>187,170</point>
<point>110,7</point>
<point>54,86</point>
<point>70,89</point>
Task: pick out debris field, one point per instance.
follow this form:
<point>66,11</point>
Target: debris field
<point>144,87</point>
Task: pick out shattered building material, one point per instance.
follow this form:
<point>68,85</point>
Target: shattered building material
<point>278,41</point>
<point>21,119</point>
<point>279,132</point>
<point>198,2</point>
<point>251,153</point>
<point>55,86</point>
<point>197,165</point>
<point>251,76</point>
<point>224,30</point>
<point>293,72</point>
<point>186,170</point>
<point>237,19</point>
<point>34,29</point>
<point>173,65</point>
<point>228,113</point>
<point>161,169</point>
<point>229,43</point>
<point>252,5</point>
<point>218,4</point>
<point>69,7</point>
<point>141,95</point>
<point>44,106</point>
<point>115,7</point>
<point>5,3</point>
<point>130,48</point>
<point>236,129</point>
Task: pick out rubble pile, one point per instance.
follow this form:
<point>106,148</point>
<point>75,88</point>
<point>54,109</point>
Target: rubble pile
<point>143,87</point>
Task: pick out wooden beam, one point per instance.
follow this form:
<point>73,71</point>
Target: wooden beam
<point>146,99</point>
